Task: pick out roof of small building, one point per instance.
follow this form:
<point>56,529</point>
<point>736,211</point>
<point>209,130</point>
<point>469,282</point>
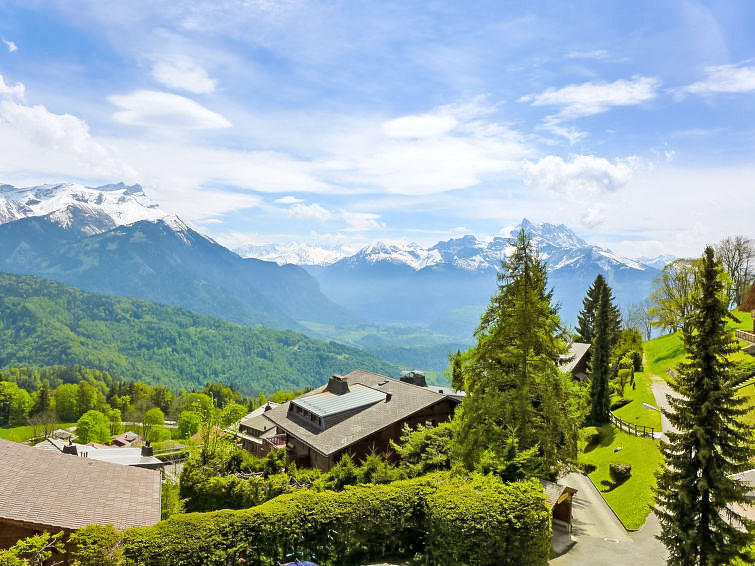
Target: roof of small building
<point>46,487</point>
<point>405,400</point>
<point>260,422</point>
<point>125,456</point>
<point>577,351</point>
<point>554,491</point>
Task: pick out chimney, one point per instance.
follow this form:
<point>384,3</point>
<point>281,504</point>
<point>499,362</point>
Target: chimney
<point>70,449</point>
<point>267,407</point>
<point>387,397</point>
<point>337,385</point>
<point>147,450</point>
<point>414,377</point>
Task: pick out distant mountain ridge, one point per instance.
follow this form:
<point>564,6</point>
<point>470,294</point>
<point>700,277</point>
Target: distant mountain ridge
<point>43,322</point>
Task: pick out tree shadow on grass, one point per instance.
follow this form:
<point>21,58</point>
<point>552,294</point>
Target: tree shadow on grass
<point>607,434</point>
<point>611,485</point>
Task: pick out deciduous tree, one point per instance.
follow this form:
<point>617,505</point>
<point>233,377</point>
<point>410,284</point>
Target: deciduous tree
<point>737,257</point>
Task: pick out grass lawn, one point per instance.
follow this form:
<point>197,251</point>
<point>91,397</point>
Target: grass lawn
<point>749,392</point>
<point>633,412</point>
<point>632,499</point>
<point>23,433</point>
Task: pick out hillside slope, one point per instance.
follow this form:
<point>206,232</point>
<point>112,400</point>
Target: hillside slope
<point>46,323</point>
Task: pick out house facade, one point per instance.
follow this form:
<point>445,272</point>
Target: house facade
<point>356,414</point>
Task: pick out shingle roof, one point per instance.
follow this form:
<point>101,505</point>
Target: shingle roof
<point>577,351</point>
<point>554,491</point>
<point>60,490</point>
<point>406,399</point>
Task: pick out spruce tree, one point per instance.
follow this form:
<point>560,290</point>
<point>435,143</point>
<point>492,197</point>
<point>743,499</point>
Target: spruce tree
<point>515,390</point>
<point>586,317</point>
<point>695,490</point>
<point>600,396</point>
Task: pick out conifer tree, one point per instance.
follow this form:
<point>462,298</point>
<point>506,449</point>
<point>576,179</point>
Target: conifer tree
<point>600,396</point>
<point>586,317</point>
<point>695,490</point>
<point>513,385</point>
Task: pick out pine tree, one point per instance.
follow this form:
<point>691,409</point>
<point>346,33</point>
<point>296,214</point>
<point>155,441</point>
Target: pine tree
<point>513,384</point>
<point>586,317</point>
<point>600,396</point>
<point>695,490</point>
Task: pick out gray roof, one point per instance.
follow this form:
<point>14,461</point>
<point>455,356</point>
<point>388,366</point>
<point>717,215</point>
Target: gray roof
<point>577,351</point>
<point>49,488</point>
<point>406,399</point>
<point>326,403</point>
<point>747,477</point>
<point>554,491</point>
<point>258,422</point>
<point>124,456</point>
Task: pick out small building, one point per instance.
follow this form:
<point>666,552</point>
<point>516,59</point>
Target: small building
<point>560,502</point>
<point>48,491</point>
<point>357,413</point>
<point>255,430</point>
<point>126,456</point>
<point>127,438</point>
<point>576,360</point>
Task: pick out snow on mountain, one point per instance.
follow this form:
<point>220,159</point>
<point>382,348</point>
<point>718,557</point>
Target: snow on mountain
<point>659,261</point>
<point>91,210</point>
<point>293,252</point>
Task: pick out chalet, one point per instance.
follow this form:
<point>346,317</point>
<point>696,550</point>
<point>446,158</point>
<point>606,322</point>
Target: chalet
<point>356,414</point>
<point>255,430</point>
<point>126,456</point>
<point>576,360</point>
<point>48,491</point>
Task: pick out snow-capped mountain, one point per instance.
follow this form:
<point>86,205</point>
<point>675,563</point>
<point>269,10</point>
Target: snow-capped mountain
<point>659,261</point>
<point>91,210</point>
<point>292,252</point>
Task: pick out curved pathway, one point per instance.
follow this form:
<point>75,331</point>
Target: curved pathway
<point>598,537</point>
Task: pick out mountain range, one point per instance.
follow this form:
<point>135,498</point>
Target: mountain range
<point>408,304</point>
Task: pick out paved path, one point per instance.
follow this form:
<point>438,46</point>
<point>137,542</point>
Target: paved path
<point>599,537</point>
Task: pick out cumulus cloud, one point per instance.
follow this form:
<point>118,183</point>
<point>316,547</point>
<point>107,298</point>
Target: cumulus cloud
<point>162,109</point>
<point>725,79</point>
<point>17,91</point>
<point>423,126</point>
<point>309,212</point>
<point>362,220</point>
<point>288,200</point>
<point>593,216</point>
<point>592,98</point>
<point>10,45</point>
<point>34,139</point>
<point>584,174</point>
<point>183,75</point>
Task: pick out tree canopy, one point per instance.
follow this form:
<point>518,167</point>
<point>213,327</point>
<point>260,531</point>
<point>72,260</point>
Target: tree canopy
<point>514,387</point>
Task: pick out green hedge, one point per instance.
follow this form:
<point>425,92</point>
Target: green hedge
<point>478,521</point>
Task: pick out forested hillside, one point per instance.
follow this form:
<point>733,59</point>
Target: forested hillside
<point>46,323</point>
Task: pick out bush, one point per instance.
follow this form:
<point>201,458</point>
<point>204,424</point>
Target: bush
<point>97,545</point>
<point>620,471</point>
<point>590,434</point>
<point>477,521</point>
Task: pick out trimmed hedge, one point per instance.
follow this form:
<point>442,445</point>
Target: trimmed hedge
<point>479,521</point>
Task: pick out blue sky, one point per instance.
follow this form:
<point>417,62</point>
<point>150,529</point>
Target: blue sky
<point>341,123</point>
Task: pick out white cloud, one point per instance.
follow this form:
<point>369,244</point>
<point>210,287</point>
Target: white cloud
<point>309,212</point>
<point>185,75</point>
<point>362,220</point>
<point>584,175</point>
<point>725,79</point>
<point>209,221</point>
<point>288,200</point>
<point>595,54</point>
<point>17,91</point>
<point>35,139</point>
<point>593,216</point>
<point>162,109</point>
<point>422,126</point>
<point>10,45</point>
<point>593,98</point>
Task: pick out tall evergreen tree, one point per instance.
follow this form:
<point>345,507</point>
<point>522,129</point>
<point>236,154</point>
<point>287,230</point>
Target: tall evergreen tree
<point>695,490</point>
<point>586,316</point>
<point>514,387</point>
<point>600,396</point>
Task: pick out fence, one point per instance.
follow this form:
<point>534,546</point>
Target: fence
<point>641,430</point>
<point>745,335</point>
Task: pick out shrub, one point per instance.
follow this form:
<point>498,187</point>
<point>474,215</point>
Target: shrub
<point>590,434</point>
<point>479,520</point>
<point>97,545</point>
<point>620,471</point>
